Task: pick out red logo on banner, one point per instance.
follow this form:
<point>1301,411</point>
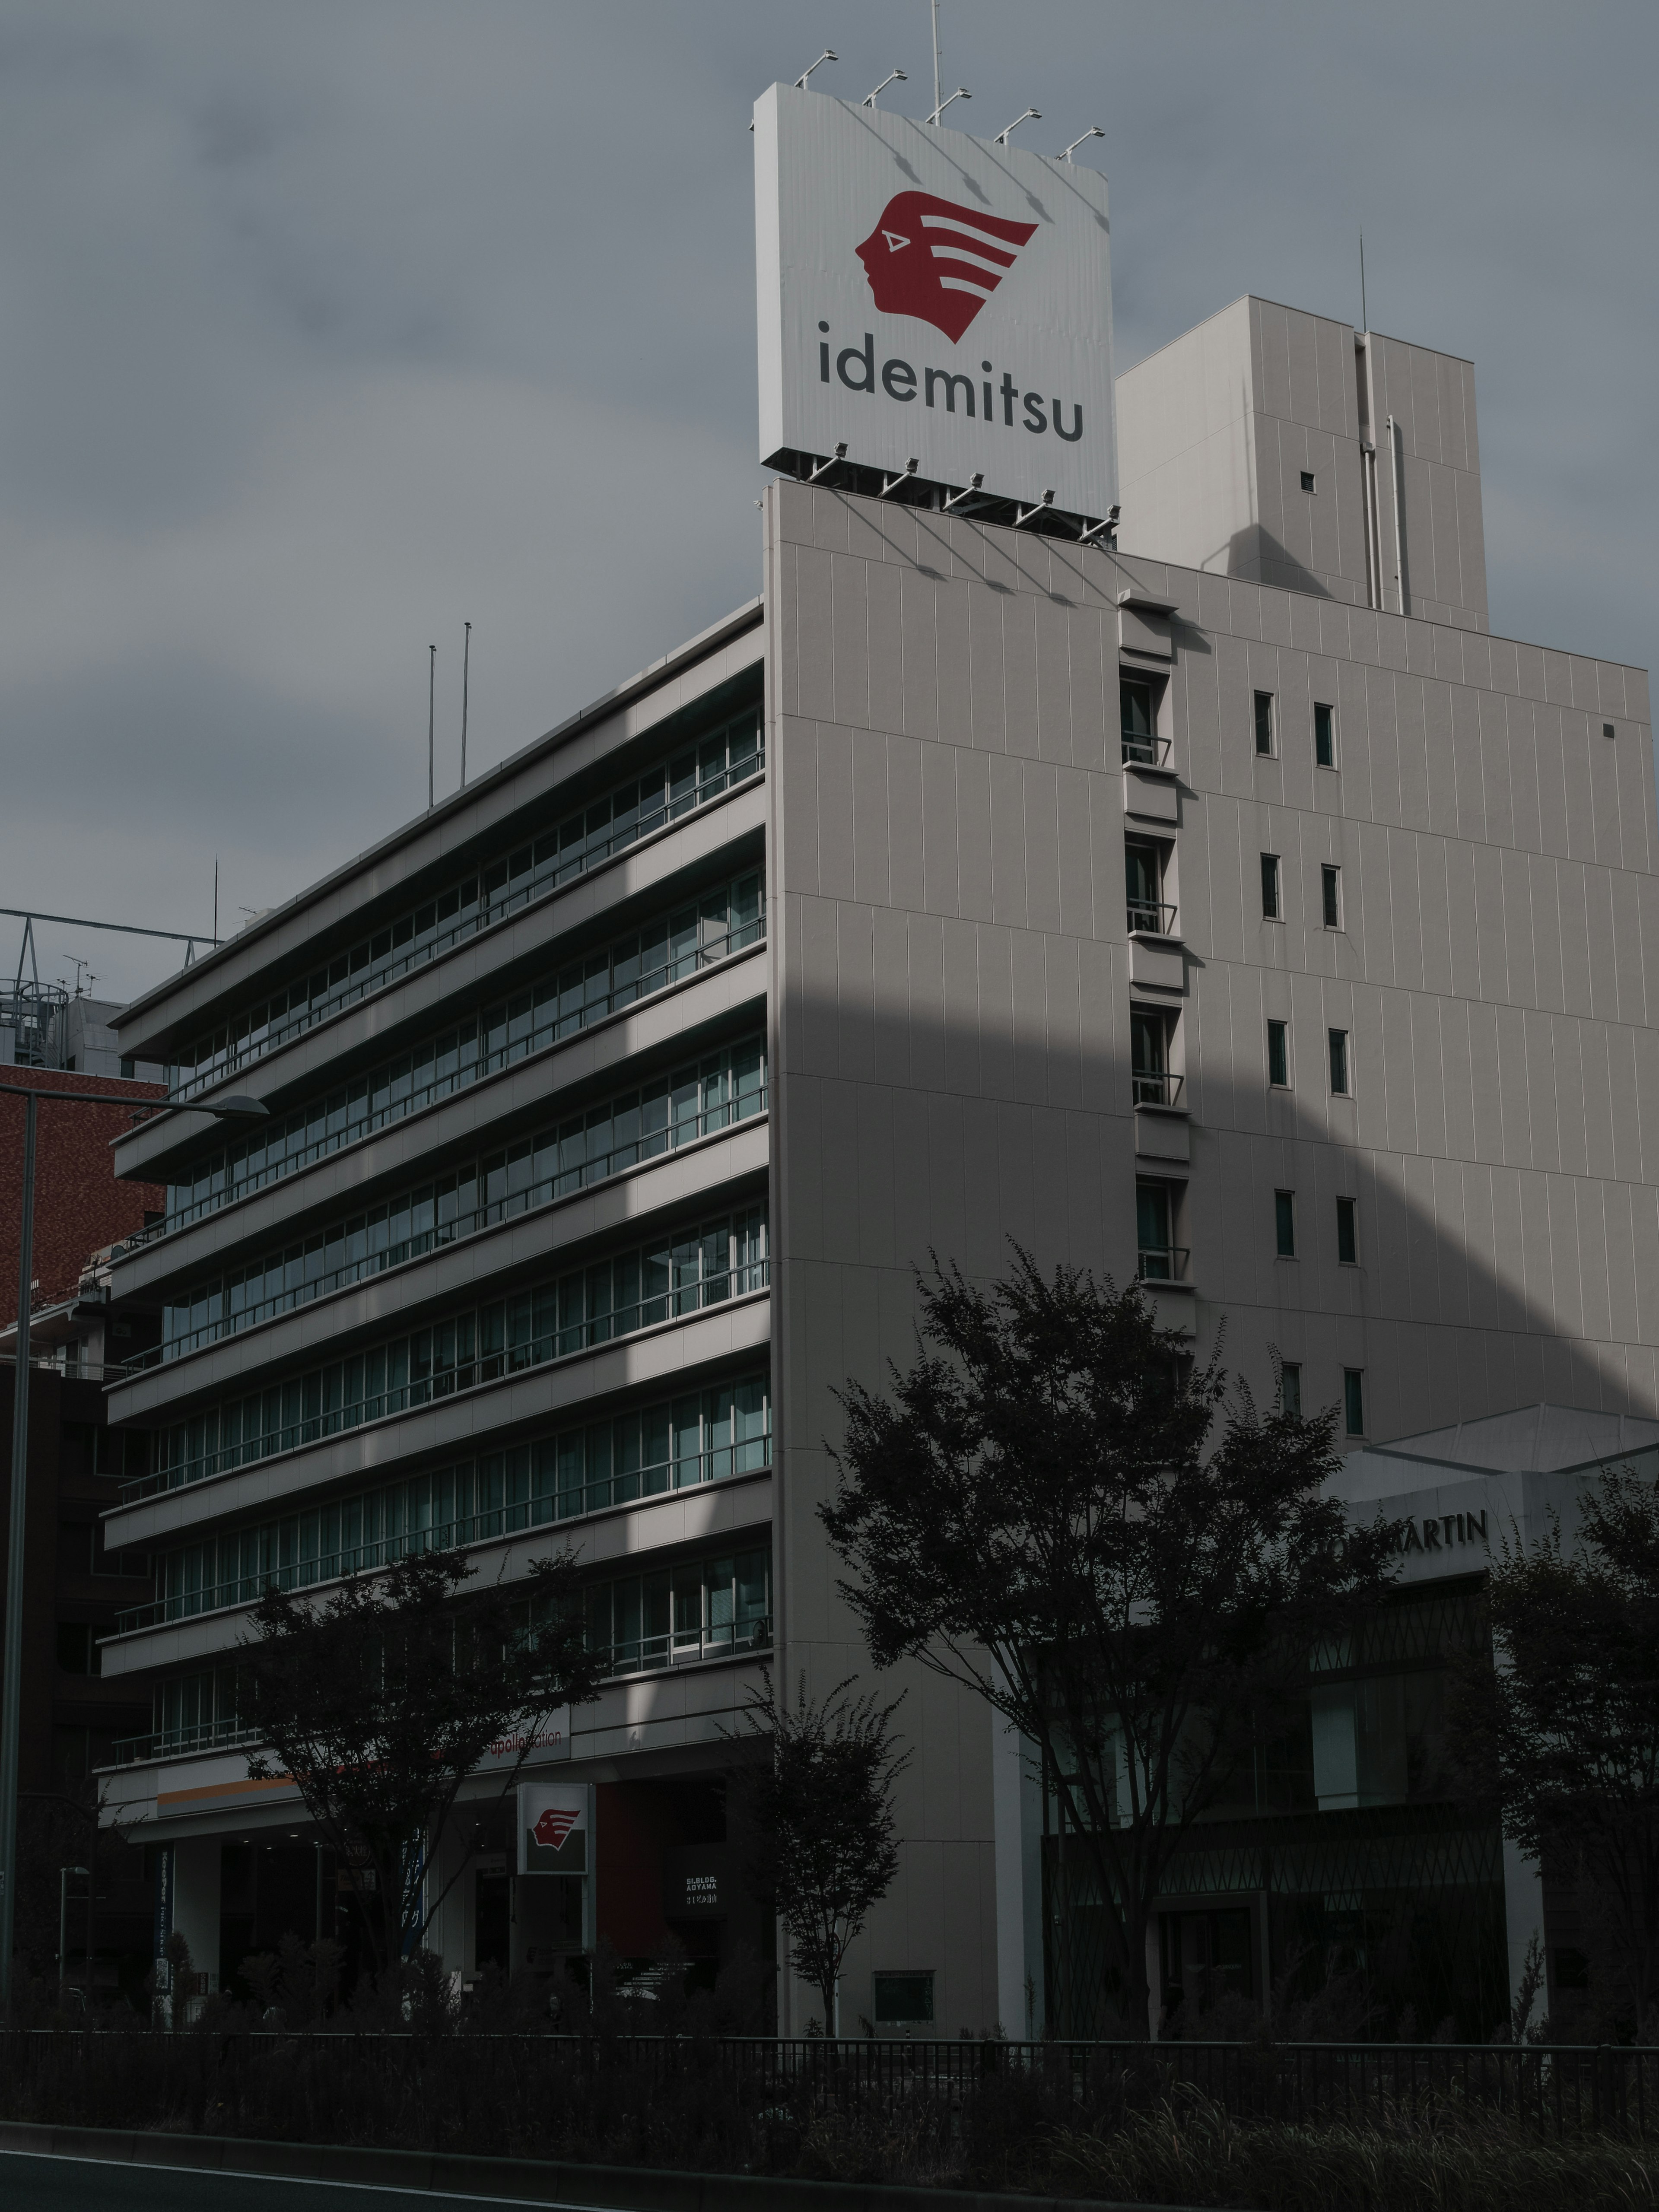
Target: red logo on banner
<point>554,1825</point>
<point>937,261</point>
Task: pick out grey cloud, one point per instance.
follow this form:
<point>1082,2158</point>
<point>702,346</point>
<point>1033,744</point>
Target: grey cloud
<point>328,325</point>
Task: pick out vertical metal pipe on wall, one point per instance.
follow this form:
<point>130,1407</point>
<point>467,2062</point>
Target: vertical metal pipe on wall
<point>11,1700</point>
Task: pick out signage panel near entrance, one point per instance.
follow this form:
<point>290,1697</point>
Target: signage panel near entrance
<point>932,303</point>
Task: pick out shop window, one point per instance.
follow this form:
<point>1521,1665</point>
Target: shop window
<point>904,2000</point>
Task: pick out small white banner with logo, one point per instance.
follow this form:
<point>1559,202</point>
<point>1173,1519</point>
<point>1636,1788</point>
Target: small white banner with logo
<point>556,1827</point>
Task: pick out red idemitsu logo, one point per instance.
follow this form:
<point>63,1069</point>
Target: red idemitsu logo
<point>554,1825</point>
<point>937,261</point>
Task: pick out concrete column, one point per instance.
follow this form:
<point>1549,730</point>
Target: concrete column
<point>1017,1810</point>
<point>195,1866</point>
<point>1523,1913</point>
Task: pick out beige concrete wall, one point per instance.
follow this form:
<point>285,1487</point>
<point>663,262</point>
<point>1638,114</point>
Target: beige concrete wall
<point>951,998</point>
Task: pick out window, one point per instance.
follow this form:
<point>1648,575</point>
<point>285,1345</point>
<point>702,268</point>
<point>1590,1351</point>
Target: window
<point>1339,1044</point>
<point>1279,1055</point>
<point>1307,479</point>
<point>1270,909</point>
<point>1136,709</point>
<point>1143,873</point>
<point>1289,1388</point>
<point>1324,735</point>
<point>904,2000</point>
<point>1330,886</point>
<point>1159,1260</point>
<point>1347,1235</point>
<point>76,1652</point>
<point>1149,1053</point>
<point>1264,723</point>
<point>1353,1400</point>
<point>1607,729</point>
<point>1284,1223</point>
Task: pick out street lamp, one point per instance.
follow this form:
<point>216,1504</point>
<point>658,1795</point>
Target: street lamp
<point>11,1703</point>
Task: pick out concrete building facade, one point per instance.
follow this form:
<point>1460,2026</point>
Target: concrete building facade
<point>1186,911</point>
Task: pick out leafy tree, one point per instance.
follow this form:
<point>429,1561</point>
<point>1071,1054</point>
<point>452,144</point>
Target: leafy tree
<point>1039,1512</point>
<point>818,1811</point>
<point>381,1699</point>
<point>1563,1729</point>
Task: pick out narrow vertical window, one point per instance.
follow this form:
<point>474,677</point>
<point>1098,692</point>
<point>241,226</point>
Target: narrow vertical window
<point>1324,736</point>
<point>1264,723</point>
<point>1135,708</point>
<point>1270,887</point>
<point>1347,1237</point>
<point>1330,886</point>
<point>1279,1055</point>
<point>1159,1262</point>
<point>1353,1400</point>
<point>1149,1036</point>
<point>1284,1223</point>
<point>1289,1388</point>
<point>1308,480</point>
<point>1339,1044</point>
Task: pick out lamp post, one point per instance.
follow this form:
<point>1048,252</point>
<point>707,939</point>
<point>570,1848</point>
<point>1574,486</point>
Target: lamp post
<point>11,1697</point>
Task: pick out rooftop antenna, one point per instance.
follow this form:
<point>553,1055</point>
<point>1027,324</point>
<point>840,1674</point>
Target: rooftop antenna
<point>431,722</point>
<point>961,92</point>
<point>828,55</point>
<point>1031,115</point>
<point>1364,315</point>
<point>82,967</point>
<point>26,949</point>
<point>893,77</point>
<point>935,7</point>
<point>1094,130</point>
<point>466,664</point>
<point>215,899</point>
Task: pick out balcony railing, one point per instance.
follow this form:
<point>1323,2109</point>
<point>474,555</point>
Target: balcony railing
<point>730,1639</point>
<point>753,1457</point>
<point>343,1129</point>
<point>1142,752</point>
<point>1157,1087</point>
<point>1162,1263</point>
<point>1149,918</point>
<point>551,875</point>
<point>639,1654</point>
<point>740,1280</point>
<point>600,1168</point>
<point>179,1742</point>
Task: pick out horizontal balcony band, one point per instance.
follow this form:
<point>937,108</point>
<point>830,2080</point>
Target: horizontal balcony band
<point>475,1115</point>
<point>483,968</point>
<point>570,1504</point>
<point>553,874</point>
<point>500,1254</point>
<point>671,1142</point>
<point>731,650</point>
<point>644,1655</point>
<point>471,1420</point>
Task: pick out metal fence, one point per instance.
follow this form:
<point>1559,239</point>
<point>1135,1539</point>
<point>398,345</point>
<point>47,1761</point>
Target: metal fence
<point>325,2084</point>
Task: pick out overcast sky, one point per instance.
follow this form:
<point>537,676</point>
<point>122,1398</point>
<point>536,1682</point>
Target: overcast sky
<point>328,326</point>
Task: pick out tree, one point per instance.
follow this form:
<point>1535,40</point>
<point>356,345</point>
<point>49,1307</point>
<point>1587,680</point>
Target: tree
<point>1038,1514</point>
<point>818,1812</point>
<point>1563,1729</point>
<point>381,1699</point>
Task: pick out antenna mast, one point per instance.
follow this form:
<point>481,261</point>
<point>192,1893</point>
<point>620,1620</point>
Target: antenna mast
<point>431,716</point>
<point>935,8</point>
<point>466,665</point>
<point>1364,315</point>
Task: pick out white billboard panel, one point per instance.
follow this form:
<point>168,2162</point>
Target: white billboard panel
<point>555,1823</point>
<point>925,295</point>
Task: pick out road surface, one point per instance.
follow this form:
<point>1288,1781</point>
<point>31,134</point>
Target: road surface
<point>33,2183</point>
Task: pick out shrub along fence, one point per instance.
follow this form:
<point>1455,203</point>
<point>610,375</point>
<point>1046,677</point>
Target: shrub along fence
<point>732,2102</point>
